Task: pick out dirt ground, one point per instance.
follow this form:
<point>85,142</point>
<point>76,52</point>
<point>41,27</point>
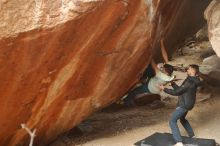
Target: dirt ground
<point>125,126</point>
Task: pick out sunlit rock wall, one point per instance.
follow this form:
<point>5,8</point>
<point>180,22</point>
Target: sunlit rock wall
<point>212,15</point>
<point>61,60</point>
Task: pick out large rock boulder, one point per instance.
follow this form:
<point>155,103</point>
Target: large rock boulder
<point>61,60</point>
<point>212,15</point>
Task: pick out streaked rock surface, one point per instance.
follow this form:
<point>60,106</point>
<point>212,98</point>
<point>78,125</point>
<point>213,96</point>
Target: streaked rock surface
<point>61,60</point>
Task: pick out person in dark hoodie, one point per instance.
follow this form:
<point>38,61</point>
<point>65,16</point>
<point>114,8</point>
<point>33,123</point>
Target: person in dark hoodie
<point>186,101</point>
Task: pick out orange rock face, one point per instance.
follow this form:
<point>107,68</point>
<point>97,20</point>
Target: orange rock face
<point>62,60</point>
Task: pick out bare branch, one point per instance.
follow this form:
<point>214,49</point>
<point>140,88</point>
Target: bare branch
<point>32,134</point>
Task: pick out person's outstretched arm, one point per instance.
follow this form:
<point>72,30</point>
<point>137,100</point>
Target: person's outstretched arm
<point>163,51</point>
<point>174,85</point>
<point>177,91</point>
<point>154,66</point>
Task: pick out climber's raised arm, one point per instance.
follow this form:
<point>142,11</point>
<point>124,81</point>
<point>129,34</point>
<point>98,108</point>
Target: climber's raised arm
<point>154,66</point>
<point>163,51</point>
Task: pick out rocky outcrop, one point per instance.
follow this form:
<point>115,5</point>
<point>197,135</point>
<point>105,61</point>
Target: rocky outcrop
<point>62,60</point>
<point>212,15</point>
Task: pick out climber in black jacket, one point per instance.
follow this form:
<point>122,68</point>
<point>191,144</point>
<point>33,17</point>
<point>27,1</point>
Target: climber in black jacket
<point>186,101</point>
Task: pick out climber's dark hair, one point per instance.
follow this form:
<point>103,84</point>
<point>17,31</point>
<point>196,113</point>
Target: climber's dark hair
<point>168,69</point>
<point>195,67</point>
